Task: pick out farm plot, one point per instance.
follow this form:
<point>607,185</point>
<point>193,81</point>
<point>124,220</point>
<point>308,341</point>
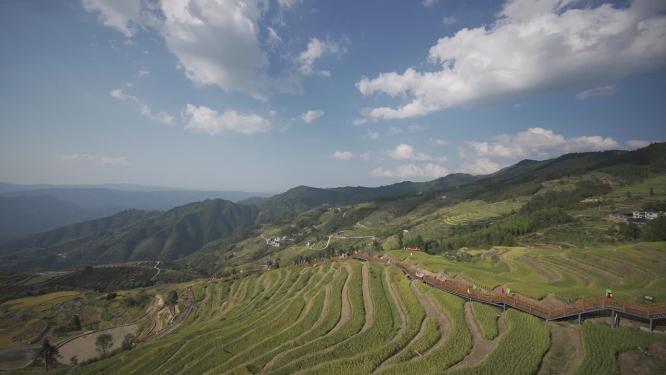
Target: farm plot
<point>351,317</point>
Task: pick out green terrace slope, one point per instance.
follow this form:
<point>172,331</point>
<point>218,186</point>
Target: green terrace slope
<point>351,317</point>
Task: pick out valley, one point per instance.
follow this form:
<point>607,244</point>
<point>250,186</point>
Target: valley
<point>501,274</point>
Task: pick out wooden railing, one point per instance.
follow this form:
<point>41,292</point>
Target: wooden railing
<point>581,306</point>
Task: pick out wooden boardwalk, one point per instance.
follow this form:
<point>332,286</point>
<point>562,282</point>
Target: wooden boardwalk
<point>628,309</point>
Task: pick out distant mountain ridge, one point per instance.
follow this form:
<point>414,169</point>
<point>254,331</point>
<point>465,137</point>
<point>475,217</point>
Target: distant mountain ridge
<point>217,225</point>
<point>29,209</point>
<point>132,235</point>
<point>284,205</point>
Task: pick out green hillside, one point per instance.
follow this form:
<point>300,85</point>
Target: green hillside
<point>349,317</point>
<point>167,236</point>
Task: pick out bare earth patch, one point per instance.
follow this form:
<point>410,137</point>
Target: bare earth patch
<point>566,350</point>
<point>638,363</point>
<point>83,347</point>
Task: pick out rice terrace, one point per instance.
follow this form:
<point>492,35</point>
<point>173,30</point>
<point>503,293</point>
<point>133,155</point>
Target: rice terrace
<point>333,187</point>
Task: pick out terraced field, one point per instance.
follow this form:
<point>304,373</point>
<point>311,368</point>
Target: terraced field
<point>470,211</point>
<point>631,270</point>
<point>346,317</point>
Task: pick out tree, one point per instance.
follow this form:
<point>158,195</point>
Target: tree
<point>48,353</point>
<point>128,342</point>
<point>104,342</point>
<point>652,192</point>
<point>655,230</point>
<point>75,324</point>
<point>172,298</point>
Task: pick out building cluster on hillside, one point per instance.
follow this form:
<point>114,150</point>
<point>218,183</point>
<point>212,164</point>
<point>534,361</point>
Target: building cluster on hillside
<point>277,241</point>
<point>638,217</point>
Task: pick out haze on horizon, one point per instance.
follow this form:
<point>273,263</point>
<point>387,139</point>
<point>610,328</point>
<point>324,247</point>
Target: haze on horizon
<point>264,95</point>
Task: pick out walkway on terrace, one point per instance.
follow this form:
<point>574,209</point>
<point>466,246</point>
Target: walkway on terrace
<point>628,309</point>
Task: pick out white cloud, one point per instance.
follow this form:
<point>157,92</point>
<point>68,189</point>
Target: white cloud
<point>429,3</point>
<point>315,50</point>
<point>216,43</point>
<point>373,135</point>
<point>393,130</point>
<point>597,91</point>
<point>359,121</point>
<point>406,152</point>
<point>163,117</point>
<point>448,21</point>
<point>533,143</point>
<point>439,142</point>
<point>273,38</point>
<point>122,15</point>
<point>143,72</point>
<point>202,119</point>
<point>311,115</point>
<point>560,46</point>
<point>633,144</point>
<point>538,143</point>
<point>365,156</point>
<point>119,161</point>
<point>480,166</point>
<point>343,155</point>
<point>429,170</point>
<point>288,3</point>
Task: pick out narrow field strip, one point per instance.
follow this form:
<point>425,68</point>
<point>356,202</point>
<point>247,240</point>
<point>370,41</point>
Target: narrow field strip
<point>310,315</point>
<point>481,346</point>
<point>351,326</point>
<point>184,344</point>
<point>218,343</point>
<point>519,351</point>
<point>486,318</point>
<point>329,321</point>
<point>454,346</point>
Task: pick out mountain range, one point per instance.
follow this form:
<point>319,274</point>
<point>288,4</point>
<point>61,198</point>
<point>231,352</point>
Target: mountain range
<point>218,230</point>
<point>28,209</point>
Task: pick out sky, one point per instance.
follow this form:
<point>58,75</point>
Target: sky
<point>265,95</point>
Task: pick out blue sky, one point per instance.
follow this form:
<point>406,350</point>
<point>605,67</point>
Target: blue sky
<point>265,95</point>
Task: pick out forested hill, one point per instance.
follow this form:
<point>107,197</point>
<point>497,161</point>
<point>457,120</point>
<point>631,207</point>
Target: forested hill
<point>284,206</point>
<point>529,201</point>
<point>164,236</point>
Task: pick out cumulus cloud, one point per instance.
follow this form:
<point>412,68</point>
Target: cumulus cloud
<point>311,115</point>
<point>359,121</point>
<point>406,152</point>
<point>539,143</point>
<point>480,166</point>
<point>119,161</point>
<point>429,170</point>
<point>373,135</point>
<point>122,15</point>
<point>315,50</point>
<point>633,144</point>
<point>429,3</point>
<point>365,156</point>
<point>597,91</point>
<point>201,119</point>
<point>216,42</point>
<point>533,143</point>
<point>560,46</point>
<point>146,111</point>
<point>343,155</point>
